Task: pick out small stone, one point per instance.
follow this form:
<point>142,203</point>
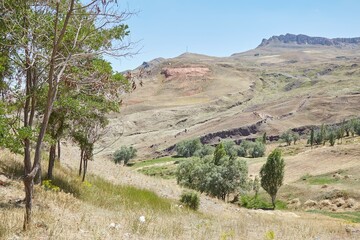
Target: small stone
<point>142,219</point>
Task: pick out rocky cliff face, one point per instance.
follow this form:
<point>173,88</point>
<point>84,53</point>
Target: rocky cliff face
<point>307,40</point>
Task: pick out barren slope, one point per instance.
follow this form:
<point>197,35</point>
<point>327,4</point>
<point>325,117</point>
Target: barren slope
<point>277,87</point>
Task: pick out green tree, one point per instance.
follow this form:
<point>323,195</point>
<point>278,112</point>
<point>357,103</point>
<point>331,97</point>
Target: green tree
<point>228,176</point>
<point>230,149</point>
<point>48,40</point>
<point>287,137</point>
<point>188,148</point>
<point>258,149</point>
<point>295,137</point>
<point>264,137</point>
<point>332,137</point>
<point>312,140</point>
<point>205,150</point>
<point>272,174</point>
<point>219,153</point>
<point>124,154</point>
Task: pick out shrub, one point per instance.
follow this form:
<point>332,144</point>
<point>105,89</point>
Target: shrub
<point>230,149</point>
<point>188,148</point>
<point>252,149</point>
<point>48,185</point>
<point>287,137</point>
<point>124,154</point>
<point>205,150</point>
<point>241,151</point>
<point>258,150</point>
<point>190,200</point>
<point>332,137</point>
<point>295,137</point>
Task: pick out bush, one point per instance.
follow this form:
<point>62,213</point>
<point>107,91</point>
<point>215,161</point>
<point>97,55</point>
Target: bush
<point>230,149</point>
<point>287,137</point>
<point>190,200</point>
<point>124,154</point>
<point>252,149</point>
<point>188,148</point>
<point>241,151</point>
<point>205,150</point>
<point>258,150</point>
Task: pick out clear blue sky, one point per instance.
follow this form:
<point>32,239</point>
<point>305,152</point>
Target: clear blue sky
<point>167,28</point>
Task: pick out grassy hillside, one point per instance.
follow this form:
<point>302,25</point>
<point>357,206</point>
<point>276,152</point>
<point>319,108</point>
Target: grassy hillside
<point>104,209</point>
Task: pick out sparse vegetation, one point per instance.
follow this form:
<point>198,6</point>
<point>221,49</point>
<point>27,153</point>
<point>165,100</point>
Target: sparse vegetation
<point>190,199</point>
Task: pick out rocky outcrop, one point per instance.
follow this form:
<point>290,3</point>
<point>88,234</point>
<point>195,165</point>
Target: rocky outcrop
<point>307,40</point>
<point>191,71</point>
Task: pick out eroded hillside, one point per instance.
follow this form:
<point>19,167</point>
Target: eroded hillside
<point>269,89</point>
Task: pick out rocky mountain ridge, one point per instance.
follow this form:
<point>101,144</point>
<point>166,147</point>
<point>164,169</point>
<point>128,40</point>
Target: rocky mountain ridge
<point>302,39</point>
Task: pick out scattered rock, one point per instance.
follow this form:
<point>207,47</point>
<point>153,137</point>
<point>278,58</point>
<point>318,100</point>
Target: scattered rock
<point>324,203</point>
<point>339,202</point>
<point>310,203</point>
<point>349,203</point>
<point>352,230</point>
<point>294,203</point>
<point>337,176</point>
<point>347,176</point>
<point>114,226</point>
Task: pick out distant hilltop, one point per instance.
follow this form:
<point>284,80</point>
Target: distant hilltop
<point>307,40</point>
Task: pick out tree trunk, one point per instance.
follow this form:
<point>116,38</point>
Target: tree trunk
<point>37,179</point>
<point>52,156</point>
<point>273,197</point>
<point>58,150</point>
<point>81,161</point>
<point>85,168</point>
<point>29,186</point>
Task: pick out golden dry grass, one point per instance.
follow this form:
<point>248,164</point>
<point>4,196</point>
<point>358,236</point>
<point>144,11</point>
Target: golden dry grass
<point>58,215</point>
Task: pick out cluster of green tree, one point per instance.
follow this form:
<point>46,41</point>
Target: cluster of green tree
<point>54,82</point>
<point>217,175</point>
<point>332,133</point>
<point>251,149</point>
<point>190,148</point>
<point>221,174</point>
<point>124,154</point>
<point>289,137</point>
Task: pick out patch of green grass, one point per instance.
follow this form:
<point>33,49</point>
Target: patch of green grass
<point>154,161</point>
<point>104,194</point>
<point>348,216</point>
<point>166,172</point>
<point>320,179</point>
<point>251,202</point>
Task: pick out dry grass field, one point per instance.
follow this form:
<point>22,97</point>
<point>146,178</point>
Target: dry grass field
<point>109,208</point>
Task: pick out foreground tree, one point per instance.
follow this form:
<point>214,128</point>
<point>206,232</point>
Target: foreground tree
<point>46,42</point>
<point>272,174</point>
